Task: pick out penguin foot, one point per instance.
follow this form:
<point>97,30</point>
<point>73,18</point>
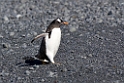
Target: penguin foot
<point>44,61</point>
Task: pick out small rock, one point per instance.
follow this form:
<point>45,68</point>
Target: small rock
<point>114,24</point>
<point>36,46</point>
<point>99,20</point>
<point>67,18</point>
<point>28,35</point>
<point>36,66</point>
<point>103,31</point>
<point>122,23</point>
<point>31,68</point>
<point>6,45</point>
<point>72,29</point>
<point>6,74</point>
<point>34,71</point>
<point>27,72</point>
<point>23,35</point>
<point>82,17</point>
<point>23,1</point>
<point>18,16</point>
<point>88,5</point>
<point>6,19</point>
<point>64,70</point>
<point>97,35</point>
<point>1,36</point>
<point>121,31</point>
<point>90,55</point>
<point>52,74</point>
<point>56,2</point>
<point>34,33</point>
<point>11,33</point>
<point>42,80</point>
<point>3,73</point>
<point>110,13</point>
<point>72,51</point>
<point>67,34</point>
<point>81,35</point>
<point>19,78</point>
<point>43,30</point>
<point>24,45</point>
<point>104,80</point>
<point>83,57</point>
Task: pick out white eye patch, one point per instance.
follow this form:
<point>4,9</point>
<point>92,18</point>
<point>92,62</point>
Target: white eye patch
<point>58,20</point>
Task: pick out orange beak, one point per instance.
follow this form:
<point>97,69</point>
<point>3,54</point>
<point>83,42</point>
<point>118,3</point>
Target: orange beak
<point>65,23</point>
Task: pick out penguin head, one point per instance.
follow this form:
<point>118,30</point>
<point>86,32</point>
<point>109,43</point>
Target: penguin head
<point>58,22</point>
<point>61,22</point>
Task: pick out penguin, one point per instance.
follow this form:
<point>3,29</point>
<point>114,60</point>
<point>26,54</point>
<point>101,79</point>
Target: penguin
<point>50,41</point>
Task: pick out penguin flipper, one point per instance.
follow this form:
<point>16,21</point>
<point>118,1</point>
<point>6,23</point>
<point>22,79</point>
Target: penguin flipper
<point>38,36</point>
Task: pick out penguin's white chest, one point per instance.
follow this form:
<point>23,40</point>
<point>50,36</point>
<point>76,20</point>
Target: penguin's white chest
<point>52,43</point>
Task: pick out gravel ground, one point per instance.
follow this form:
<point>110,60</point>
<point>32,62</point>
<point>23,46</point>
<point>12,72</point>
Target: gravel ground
<point>92,46</point>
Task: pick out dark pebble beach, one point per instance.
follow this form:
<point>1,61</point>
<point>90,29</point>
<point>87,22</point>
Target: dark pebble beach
<point>91,49</point>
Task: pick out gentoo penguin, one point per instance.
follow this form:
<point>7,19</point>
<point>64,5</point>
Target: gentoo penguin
<point>51,41</point>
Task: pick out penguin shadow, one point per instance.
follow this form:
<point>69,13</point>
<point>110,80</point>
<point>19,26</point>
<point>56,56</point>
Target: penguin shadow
<point>32,61</point>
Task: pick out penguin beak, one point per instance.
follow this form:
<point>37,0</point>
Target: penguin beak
<point>65,23</point>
